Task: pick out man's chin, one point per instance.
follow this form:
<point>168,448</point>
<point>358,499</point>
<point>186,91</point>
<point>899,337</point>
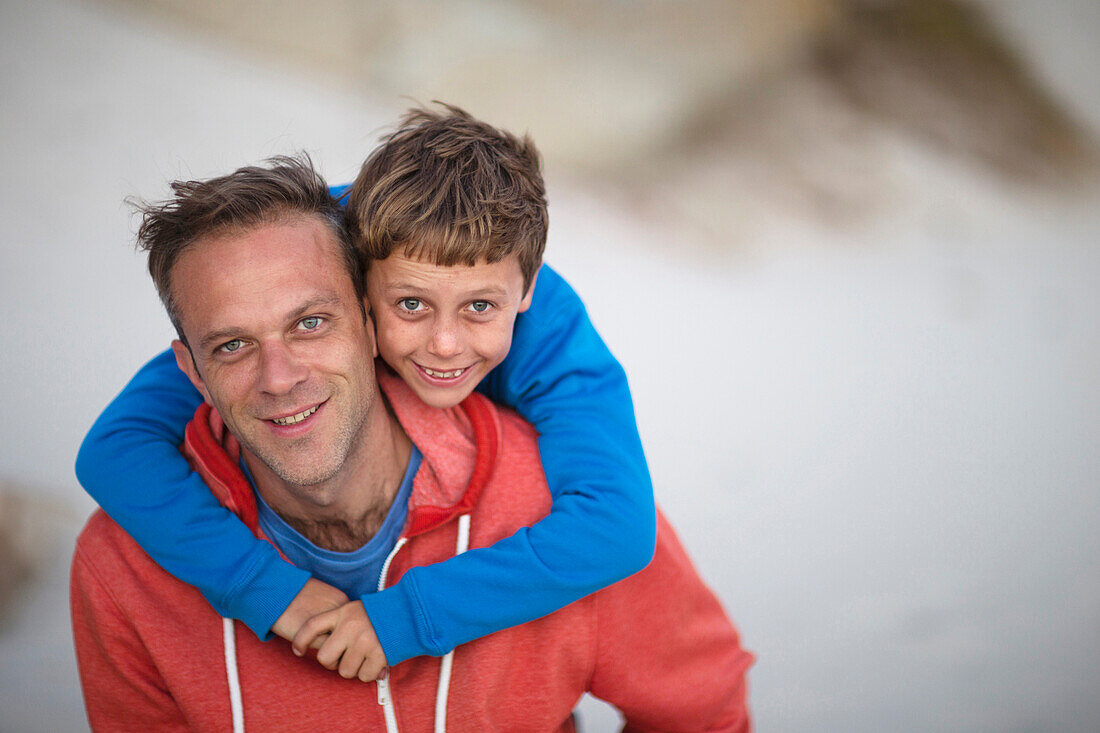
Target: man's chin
<point>298,473</point>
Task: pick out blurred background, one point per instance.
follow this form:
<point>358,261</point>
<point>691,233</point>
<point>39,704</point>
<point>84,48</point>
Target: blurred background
<point>846,250</point>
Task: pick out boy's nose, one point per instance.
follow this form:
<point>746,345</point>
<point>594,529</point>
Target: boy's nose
<point>445,341</point>
<point>280,369</point>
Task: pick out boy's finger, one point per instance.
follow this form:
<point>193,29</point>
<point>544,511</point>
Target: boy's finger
<point>330,653</point>
<point>317,643</point>
<point>367,673</point>
<point>350,664</point>
<point>314,632</point>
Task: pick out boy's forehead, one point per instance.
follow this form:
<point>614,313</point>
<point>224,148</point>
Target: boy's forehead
<point>401,270</point>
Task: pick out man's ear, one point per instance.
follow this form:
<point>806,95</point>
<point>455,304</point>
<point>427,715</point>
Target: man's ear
<point>526,302</point>
<point>186,363</point>
<point>372,328</point>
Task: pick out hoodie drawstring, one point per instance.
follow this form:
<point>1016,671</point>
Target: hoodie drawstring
<point>235,703</point>
<point>383,685</point>
<point>384,698</point>
<point>448,658</point>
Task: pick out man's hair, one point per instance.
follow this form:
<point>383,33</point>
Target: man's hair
<point>451,189</point>
<point>287,188</point>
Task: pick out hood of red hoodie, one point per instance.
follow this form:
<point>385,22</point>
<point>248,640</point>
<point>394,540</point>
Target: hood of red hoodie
<point>460,448</point>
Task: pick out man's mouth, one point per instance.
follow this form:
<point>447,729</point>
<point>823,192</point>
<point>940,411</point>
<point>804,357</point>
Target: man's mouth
<point>295,419</point>
<point>443,375</point>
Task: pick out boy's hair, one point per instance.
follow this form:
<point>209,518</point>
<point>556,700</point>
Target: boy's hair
<point>288,188</point>
<point>451,189</point>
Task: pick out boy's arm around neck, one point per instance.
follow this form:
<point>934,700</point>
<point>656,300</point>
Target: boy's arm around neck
<point>130,464</point>
<point>563,379</point>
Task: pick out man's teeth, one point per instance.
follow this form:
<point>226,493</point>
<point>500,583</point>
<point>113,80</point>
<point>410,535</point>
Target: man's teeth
<point>443,375</point>
<point>295,419</point>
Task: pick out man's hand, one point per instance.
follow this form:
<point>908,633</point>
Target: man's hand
<point>316,597</point>
<point>347,642</point>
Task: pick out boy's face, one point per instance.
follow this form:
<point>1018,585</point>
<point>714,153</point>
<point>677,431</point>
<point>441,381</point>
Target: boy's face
<point>443,328</point>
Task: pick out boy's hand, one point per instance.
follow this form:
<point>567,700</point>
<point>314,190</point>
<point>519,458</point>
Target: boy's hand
<point>351,646</point>
<point>316,597</point>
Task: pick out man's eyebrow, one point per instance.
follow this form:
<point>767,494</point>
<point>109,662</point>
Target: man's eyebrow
<point>231,332</point>
<point>222,334</point>
<point>320,301</point>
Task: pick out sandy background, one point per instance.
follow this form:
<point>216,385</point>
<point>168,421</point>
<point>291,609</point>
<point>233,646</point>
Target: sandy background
<point>851,270</point>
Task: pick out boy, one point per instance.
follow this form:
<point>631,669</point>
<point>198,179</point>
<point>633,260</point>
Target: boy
<point>451,215</point>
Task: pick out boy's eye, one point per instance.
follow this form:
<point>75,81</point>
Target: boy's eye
<point>311,323</point>
<point>410,304</point>
<point>480,306</point>
<point>230,346</point>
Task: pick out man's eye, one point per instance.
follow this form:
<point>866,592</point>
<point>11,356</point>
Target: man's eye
<point>230,346</point>
<point>480,306</point>
<point>311,323</point>
<point>409,304</point>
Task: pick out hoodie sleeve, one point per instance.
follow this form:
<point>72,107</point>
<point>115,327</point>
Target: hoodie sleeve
<point>667,655</point>
<point>131,465</point>
<point>562,378</point>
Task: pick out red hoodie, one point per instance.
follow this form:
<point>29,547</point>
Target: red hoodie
<point>153,655</point>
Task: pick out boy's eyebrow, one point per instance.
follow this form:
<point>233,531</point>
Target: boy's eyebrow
<point>230,332</point>
<point>488,290</point>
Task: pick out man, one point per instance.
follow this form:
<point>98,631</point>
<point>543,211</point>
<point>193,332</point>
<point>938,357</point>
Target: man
<point>275,333</point>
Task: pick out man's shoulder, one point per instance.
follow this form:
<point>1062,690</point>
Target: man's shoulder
<point>102,537</point>
<point>514,428</point>
<point>105,552</point>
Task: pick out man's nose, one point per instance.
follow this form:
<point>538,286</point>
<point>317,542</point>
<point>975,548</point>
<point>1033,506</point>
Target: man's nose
<point>445,340</point>
<point>280,369</point>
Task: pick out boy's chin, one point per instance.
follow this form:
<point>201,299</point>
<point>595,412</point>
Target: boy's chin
<point>440,396</point>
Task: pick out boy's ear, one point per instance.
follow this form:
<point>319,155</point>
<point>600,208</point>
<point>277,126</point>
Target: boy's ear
<point>186,363</point>
<point>526,302</point>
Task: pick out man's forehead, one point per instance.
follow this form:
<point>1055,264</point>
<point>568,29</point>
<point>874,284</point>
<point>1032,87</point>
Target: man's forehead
<point>269,271</point>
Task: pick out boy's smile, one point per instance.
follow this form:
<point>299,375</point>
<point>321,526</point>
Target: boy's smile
<point>443,328</point>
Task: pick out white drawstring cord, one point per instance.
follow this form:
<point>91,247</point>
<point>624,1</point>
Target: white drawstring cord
<point>448,658</point>
<point>384,697</point>
<point>235,702</point>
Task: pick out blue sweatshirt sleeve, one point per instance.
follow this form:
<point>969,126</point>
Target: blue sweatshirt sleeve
<point>130,463</point>
<point>602,525</point>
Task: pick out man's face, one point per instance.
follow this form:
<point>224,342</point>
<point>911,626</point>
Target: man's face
<point>443,328</point>
<point>281,347</point>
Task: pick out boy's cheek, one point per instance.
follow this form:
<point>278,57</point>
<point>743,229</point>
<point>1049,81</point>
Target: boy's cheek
<point>390,346</point>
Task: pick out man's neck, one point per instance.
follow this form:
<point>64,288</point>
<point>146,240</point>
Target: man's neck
<point>345,512</point>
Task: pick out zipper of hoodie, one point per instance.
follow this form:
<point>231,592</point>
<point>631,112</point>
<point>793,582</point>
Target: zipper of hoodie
<point>385,695</point>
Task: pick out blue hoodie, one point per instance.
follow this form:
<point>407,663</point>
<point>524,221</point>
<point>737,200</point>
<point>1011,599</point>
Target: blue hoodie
<point>559,375</point>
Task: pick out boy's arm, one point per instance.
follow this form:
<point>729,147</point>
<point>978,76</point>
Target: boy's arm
<point>601,528</point>
<point>130,463</point>
<point>563,379</point>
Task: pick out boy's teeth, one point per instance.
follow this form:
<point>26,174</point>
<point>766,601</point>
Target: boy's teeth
<point>443,375</point>
<point>294,419</point>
